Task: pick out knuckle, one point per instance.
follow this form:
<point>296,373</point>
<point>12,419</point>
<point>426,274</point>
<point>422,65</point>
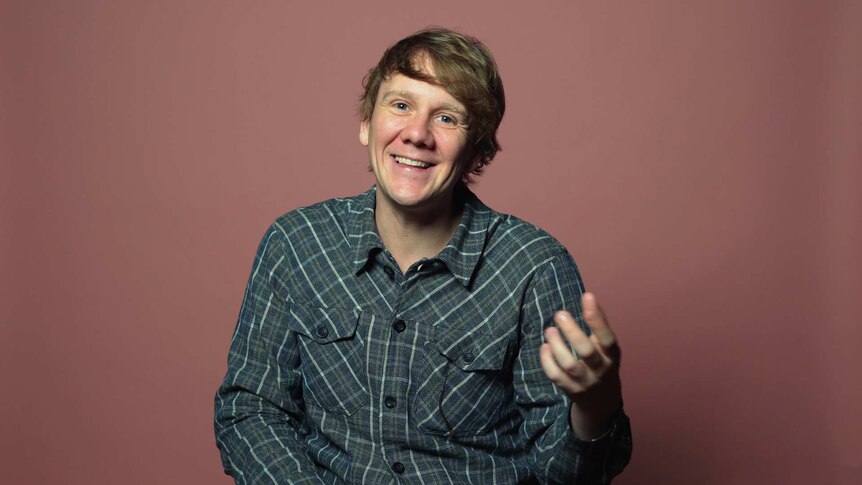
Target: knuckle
<point>588,353</point>
<point>552,374</point>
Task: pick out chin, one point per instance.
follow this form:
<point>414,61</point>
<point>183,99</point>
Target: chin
<point>410,202</point>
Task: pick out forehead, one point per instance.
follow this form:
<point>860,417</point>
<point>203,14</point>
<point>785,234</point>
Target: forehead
<point>398,85</point>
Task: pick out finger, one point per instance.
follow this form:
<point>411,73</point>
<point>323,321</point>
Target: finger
<point>585,348</point>
<point>597,321</point>
<point>554,373</point>
<point>561,352</point>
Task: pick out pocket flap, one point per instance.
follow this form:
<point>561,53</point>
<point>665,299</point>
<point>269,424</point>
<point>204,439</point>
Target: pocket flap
<point>477,351</point>
<point>323,325</point>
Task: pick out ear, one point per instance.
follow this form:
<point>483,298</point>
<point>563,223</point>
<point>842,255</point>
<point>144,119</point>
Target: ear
<point>363,132</point>
<point>472,162</point>
<point>468,168</point>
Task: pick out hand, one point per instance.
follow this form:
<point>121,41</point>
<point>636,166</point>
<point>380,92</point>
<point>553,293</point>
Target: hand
<point>591,381</point>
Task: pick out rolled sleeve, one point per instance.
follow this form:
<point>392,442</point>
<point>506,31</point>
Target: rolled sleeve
<point>556,454</point>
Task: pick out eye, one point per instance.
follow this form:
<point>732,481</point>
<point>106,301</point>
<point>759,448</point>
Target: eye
<point>400,105</point>
<point>447,120</point>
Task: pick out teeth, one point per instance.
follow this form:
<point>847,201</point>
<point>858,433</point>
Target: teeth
<point>412,163</point>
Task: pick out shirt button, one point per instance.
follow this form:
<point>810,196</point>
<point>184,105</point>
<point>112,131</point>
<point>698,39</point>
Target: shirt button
<point>389,272</point>
<point>399,325</point>
<point>398,467</point>
<point>468,357</point>
<point>322,331</point>
<point>390,402</point>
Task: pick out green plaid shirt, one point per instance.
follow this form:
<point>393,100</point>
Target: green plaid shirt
<point>343,369</point>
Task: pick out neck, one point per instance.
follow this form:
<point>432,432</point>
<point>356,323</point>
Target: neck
<point>413,234</point>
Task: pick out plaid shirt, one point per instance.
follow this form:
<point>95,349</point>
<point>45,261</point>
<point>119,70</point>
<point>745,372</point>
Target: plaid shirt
<point>343,369</point>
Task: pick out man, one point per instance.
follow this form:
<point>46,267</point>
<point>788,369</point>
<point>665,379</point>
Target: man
<point>407,334</point>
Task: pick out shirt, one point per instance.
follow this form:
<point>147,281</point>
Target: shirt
<point>343,369</point>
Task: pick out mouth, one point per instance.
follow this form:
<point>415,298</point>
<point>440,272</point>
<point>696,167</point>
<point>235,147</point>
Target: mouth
<point>410,162</point>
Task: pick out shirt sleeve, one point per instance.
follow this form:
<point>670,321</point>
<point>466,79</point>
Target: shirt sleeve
<point>556,454</point>
<point>259,411</point>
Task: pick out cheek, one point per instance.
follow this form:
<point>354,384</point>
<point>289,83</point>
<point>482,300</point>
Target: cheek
<point>390,127</point>
<point>456,147</point>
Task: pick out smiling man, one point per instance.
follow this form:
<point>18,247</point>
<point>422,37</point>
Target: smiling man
<point>412,334</point>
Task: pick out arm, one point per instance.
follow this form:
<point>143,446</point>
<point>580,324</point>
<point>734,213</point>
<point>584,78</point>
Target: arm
<point>589,375</point>
<point>557,453</point>
<point>258,408</point>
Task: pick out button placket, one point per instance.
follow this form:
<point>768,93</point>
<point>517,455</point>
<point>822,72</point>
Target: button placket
<point>390,402</point>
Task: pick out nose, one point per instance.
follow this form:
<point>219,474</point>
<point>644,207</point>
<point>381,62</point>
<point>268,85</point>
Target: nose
<point>418,132</point>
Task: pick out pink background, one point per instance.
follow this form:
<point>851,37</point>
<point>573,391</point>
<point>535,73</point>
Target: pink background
<point>700,161</point>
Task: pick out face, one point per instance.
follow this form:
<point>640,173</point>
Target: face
<point>417,144</point>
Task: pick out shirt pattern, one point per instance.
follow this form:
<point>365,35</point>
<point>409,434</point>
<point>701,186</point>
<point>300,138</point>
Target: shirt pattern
<point>343,369</point>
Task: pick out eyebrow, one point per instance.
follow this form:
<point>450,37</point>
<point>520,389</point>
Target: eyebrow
<point>409,96</point>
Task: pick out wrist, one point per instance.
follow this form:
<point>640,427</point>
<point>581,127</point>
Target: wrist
<point>590,423</point>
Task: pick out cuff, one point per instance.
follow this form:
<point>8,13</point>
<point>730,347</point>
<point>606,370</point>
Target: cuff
<point>616,421</point>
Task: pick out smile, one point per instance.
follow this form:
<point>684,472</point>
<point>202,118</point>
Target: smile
<point>411,162</point>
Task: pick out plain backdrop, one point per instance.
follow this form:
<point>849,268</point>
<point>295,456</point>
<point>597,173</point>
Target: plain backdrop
<point>701,161</point>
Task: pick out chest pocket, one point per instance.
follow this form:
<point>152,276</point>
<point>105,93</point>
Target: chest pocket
<point>465,383</point>
<point>331,357</point>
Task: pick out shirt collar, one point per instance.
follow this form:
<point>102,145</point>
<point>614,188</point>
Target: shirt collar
<point>362,230</point>
<point>460,255</point>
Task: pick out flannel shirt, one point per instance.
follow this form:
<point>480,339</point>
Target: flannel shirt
<point>343,369</point>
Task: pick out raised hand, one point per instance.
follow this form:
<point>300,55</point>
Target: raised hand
<point>589,376</point>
